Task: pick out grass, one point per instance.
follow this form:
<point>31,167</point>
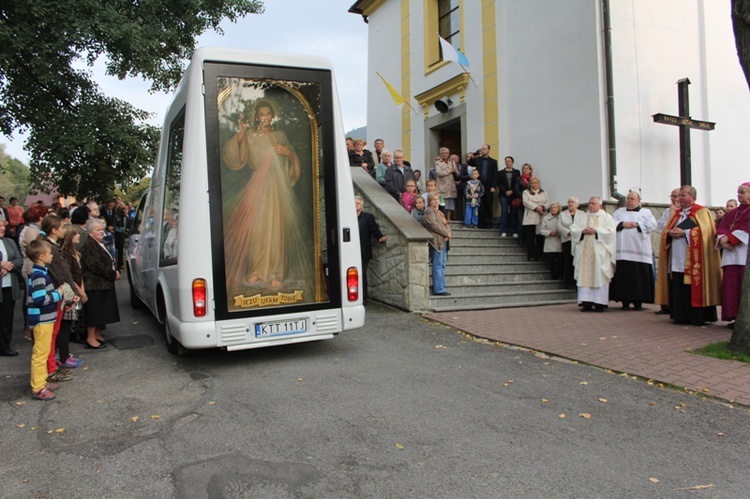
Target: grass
<point>721,350</point>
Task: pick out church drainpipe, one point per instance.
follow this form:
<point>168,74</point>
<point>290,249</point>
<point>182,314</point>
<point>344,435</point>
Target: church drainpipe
<point>610,105</point>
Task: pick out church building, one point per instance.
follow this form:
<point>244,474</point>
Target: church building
<point>569,86</point>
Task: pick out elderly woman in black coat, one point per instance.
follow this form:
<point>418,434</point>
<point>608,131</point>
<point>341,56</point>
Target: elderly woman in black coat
<point>11,262</point>
<point>99,275</point>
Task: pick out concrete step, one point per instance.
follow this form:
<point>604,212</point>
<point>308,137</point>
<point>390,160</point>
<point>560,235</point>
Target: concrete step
<point>487,244</point>
<point>484,258</point>
<point>489,267</point>
<point>458,301</point>
<point>482,289</point>
<point>483,251</point>
<point>453,278</point>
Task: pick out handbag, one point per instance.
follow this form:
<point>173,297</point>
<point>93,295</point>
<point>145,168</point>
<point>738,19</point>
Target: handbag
<point>517,202</point>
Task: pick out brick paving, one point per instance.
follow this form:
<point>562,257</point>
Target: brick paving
<point>637,343</point>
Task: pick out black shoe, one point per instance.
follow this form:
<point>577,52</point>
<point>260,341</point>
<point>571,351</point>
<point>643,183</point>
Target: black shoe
<point>586,308</point>
<point>9,353</point>
<point>598,308</point>
<point>92,347</point>
<point>663,311</point>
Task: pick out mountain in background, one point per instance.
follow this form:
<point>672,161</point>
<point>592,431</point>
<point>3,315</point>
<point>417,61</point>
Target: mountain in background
<point>358,133</point>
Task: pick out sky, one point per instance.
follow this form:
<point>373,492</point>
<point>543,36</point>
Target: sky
<point>316,27</point>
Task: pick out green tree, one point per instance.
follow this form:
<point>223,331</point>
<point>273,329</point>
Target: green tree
<point>14,177</point>
<point>740,341</point>
<point>136,190</point>
<point>80,140</point>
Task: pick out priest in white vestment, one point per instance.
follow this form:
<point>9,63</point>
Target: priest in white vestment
<point>594,243</point>
<point>634,275</point>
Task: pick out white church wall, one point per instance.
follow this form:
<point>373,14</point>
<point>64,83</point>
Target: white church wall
<point>384,57</point>
<point>654,45</point>
<point>551,94</point>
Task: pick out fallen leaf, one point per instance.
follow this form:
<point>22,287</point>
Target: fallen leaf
<point>561,416</point>
<point>135,322</point>
<point>134,419</point>
<point>212,403</point>
<point>652,403</point>
<point>603,338</point>
<point>60,430</point>
<point>706,390</point>
<point>510,381</point>
<point>399,446</point>
<point>721,434</point>
<point>683,404</point>
<point>602,400</point>
<point>20,403</point>
<point>697,487</point>
<point>544,401</point>
<point>584,382</point>
<point>583,344</point>
<point>654,480</point>
<point>99,401</point>
<point>440,346</point>
<point>155,416</point>
<point>585,415</point>
<point>505,384</point>
<point>33,428</point>
<point>21,425</point>
<point>299,379</point>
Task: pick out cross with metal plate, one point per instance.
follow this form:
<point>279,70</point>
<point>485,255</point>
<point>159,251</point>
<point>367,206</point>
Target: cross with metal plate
<point>685,122</point>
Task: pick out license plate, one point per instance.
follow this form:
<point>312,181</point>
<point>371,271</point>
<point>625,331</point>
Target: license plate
<point>280,328</point>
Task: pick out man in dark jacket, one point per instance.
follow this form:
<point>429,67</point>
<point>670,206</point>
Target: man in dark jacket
<point>368,228</point>
<point>488,176</point>
<point>397,174</point>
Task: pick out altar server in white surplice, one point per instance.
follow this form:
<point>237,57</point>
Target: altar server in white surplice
<point>634,276</point>
<point>594,244</point>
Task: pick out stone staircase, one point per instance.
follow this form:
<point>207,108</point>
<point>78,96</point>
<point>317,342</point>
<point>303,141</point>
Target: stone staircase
<point>487,271</point>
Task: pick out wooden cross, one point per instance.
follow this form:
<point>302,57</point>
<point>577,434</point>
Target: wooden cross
<point>685,122</point>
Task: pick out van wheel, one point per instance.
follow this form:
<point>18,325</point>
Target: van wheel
<point>135,302</point>
<point>173,345</point>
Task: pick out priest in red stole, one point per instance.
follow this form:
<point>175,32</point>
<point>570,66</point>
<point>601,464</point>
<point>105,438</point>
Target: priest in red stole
<point>733,235</point>
<point>689,264</point>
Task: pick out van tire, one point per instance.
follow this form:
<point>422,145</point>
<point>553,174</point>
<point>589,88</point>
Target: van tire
<point>173,346</point>
<point>135,302</point>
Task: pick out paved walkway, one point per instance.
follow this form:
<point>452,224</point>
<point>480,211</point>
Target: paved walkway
<point>637,343</point>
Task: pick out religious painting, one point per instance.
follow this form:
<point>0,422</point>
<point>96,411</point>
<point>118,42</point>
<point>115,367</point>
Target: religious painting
<point>270,192</point>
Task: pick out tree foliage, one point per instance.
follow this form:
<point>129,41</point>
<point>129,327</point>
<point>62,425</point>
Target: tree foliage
<point>14,177</point>
<point>740,341</point>
<point>80,140</point>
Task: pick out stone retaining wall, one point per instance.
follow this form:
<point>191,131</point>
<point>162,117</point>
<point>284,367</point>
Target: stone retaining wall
<point>399,272</point>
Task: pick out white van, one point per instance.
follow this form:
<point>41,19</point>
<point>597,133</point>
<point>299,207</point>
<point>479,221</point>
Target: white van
<point>248,236</point>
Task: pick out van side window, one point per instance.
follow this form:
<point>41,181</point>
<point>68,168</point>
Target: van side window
<point>138,219</point>
<point>172,180</point>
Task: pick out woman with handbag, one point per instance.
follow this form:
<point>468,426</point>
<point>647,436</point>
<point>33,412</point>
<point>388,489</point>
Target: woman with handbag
<point>99,274</point>
<point>535,204</point>
<point>437,225</point>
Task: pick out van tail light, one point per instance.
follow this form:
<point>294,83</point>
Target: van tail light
<point>352,283</point>
<point>199,297</point>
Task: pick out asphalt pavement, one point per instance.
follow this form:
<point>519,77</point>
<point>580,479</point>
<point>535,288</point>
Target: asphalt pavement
<point>404,407</point>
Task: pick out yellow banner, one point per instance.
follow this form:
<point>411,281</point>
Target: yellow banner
<point>259,300</point>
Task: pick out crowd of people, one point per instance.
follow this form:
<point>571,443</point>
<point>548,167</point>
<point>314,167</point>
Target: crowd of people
<point>62,264</point>
<point>605,257</point>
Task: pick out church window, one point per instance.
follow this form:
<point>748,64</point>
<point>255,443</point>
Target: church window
<point>448,21</point>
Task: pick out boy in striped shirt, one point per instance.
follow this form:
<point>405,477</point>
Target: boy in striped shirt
<point>42,308</point>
